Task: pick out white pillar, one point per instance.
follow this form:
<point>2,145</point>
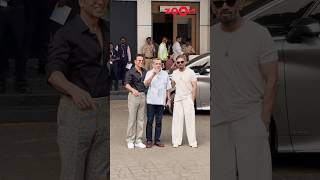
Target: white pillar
<point>144,22</point>
<point>204,26</point>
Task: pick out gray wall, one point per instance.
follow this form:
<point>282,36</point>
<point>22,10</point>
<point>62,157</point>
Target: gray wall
<point>123,22</point>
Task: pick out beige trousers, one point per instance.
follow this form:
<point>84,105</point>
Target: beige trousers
<point>242,148</point>
<point>137,116</point>
<point>148,64</point>
<point>183,111</point>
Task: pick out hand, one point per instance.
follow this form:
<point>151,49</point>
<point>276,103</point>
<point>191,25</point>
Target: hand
<point>266,120</point>
<point>135,92</point>
<point>82,99</point>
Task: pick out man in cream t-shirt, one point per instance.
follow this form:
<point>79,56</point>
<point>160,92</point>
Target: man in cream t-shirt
<point>185,81</point>
<point>243,91</point>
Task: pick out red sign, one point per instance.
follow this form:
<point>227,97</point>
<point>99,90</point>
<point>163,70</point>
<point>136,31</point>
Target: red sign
<point>178,10</point>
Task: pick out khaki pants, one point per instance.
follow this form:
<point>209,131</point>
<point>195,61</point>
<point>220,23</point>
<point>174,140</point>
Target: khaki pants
<point>183,111</point>
<point>241,147</point>
<point>148,64</point>
<point>83,140</point>
<point>137,115</point>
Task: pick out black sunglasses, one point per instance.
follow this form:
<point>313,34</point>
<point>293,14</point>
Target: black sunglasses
<point>178,62</point>
<point>219,4</point>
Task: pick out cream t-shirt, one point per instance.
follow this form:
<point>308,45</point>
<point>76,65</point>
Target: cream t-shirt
<point>237,82</point>
<point>183,82</point>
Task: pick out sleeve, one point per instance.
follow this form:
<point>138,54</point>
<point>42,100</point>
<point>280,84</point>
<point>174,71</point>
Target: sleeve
<point>116,48</point>
<point>129,54</point>
<point>268,50</point>
<point>128,78</point>
<point>58,54</point>
<point>148,75</point>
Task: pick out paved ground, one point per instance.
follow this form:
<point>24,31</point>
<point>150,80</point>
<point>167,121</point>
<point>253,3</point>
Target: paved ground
<point>28,151</point>
<point>168,163</point>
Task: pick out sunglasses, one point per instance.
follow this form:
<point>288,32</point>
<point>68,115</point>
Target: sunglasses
<point>178,62</point>
<point>219,4</point>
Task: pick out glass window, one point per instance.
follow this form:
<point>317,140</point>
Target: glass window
<point>278,19</point>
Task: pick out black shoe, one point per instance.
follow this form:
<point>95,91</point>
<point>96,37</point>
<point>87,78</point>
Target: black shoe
<point>23,88</point>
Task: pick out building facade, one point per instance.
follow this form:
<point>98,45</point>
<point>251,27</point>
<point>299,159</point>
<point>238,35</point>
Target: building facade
<point>138,19</point>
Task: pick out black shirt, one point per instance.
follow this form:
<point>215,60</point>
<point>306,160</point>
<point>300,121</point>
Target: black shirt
<point>135,79</point>
<point>76,52</point>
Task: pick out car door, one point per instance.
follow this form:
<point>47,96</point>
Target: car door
<point>302,77</point>
<point>278,18</point>
<point>203,99</point>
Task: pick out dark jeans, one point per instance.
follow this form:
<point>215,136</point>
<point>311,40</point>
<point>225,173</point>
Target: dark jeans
<point>154,111</point>
<point>122,69</point>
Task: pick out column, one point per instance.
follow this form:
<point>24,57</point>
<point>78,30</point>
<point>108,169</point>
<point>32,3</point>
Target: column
<point>144,22</point>
<point>204,26</point>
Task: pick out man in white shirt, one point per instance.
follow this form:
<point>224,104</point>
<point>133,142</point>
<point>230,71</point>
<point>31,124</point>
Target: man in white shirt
<point>158,83</point>
<point>176,48</point>
<point>243,92</point>
<point>185,81</point>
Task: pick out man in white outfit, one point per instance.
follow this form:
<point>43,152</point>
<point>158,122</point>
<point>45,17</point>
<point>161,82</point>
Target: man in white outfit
<point>176,48</point>
<point>185,81</point>
<point>243,91</point>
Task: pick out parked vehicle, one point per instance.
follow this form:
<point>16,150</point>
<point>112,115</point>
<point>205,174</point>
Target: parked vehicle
<point>294,26</point>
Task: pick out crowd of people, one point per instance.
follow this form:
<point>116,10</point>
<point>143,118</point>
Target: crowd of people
<point>120,56</point>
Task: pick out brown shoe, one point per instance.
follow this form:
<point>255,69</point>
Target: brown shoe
<point>159,144</point>
<point>149,144</point>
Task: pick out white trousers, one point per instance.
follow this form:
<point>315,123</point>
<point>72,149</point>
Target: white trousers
<point>183,111</point>
<point>242,148</point>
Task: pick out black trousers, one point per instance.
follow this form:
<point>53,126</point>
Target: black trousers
<point>12,23</point>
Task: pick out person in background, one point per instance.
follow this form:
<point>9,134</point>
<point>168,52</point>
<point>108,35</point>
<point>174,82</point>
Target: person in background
<point>125,58</point>
<point>114,62</point>
<point>163,51</point>
<point>189,49</point>
<point>176,48</point>
<point>148,50</point>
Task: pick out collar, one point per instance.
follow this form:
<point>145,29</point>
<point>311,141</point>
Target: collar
<point>82,26</point>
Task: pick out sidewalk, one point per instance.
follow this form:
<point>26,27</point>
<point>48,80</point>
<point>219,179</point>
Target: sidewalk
<point>168,163</point>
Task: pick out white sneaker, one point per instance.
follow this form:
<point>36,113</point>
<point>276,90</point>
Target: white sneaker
<point>130,145</point>
<point>140,145</point>
<point>175,145</point>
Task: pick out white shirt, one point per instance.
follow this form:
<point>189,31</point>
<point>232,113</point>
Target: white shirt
<point>237,82</point>
<point>162,48</point>
<point>176,48</point>
<point>157,91</point>
<point>183,82</point>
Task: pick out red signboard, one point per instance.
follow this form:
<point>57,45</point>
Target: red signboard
<point>178,10</point>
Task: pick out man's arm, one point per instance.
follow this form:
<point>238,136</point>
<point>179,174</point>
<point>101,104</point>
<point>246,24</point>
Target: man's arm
<point>270,75</point>
<point>194,89</point>
<point>148,81</point>
<point>59,52</point>
<point>81,97</point>
<point>128,86</point>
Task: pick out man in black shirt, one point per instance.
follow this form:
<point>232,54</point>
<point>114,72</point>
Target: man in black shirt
<point>78,68</point>
<point>136,103</point>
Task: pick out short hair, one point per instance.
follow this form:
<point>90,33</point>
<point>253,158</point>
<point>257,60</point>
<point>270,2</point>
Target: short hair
<point>122,37</point>
<point>182,56</point>
<point>155,59</point>
<point>139,55</point>
<point>178,37</point>
<point>148,38</point>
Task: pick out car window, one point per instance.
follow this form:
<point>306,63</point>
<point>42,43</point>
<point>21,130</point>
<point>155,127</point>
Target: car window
<point>316,13</point>
<point>278,19</point>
